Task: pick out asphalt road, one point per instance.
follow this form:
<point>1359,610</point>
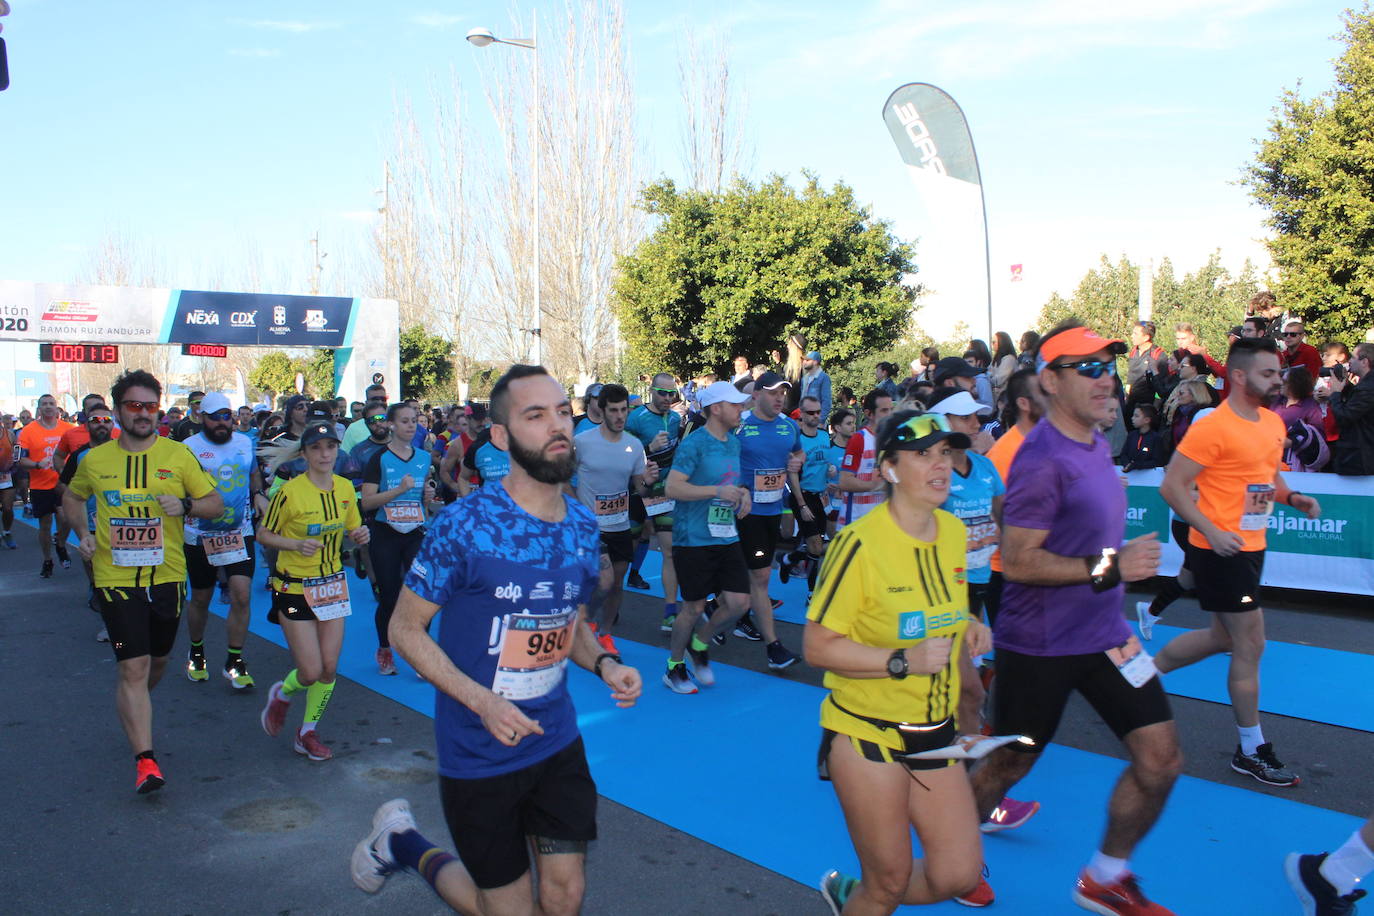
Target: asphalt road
<point>245,826</point>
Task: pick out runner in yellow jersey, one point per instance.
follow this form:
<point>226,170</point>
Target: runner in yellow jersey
<point>143,486</point>
<point>310,516</point>
<point>887,623</point>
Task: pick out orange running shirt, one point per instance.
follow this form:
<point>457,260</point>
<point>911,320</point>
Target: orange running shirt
<point>1240,460</point>
<point>39,443</point>
<point>1001,453</point>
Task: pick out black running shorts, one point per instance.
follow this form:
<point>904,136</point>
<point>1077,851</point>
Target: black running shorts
<point>932,736</point>
<point>203,574</point>
<point>1178,530</point>
<point>758,539</point>
<point>710,570</point>
<point>618,545</point>
<point>1032,691</point>
<point>816,503</point>
<point>490,818</point>
<point>44,502</point>
<point>141,620</point>
<point>1226,585</point>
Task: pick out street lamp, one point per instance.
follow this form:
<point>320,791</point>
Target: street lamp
<point>480,38</point>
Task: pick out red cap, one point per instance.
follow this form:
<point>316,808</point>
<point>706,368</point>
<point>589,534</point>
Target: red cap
<point>1076,342</point>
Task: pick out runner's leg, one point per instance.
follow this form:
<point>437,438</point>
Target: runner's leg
<point>1246,632</point>
<point>1143,788</point>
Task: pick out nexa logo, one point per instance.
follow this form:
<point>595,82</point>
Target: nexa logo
<point>511,591</point>
<point>243,319</point>
<point>919,135</point>
<point>200,316</point>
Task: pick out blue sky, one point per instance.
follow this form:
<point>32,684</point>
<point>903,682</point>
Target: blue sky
<point>202,131</point>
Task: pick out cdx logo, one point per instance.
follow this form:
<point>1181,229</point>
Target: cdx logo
<point>243,319</point>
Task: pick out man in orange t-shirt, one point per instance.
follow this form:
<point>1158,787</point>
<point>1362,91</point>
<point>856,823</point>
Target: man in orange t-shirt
<point>1025,407</point>
<point>74,439</point>
<point>38,441</point>
<point>1233,454</point>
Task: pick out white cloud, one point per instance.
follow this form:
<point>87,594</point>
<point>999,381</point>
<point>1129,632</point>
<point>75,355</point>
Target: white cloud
<point>255,52</point>
<point>295,26</point>
<point>437,20</point>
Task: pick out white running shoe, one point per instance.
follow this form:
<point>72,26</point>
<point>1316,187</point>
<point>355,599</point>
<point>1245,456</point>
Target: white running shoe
<point>1146,620</point>
<point>372,862</point>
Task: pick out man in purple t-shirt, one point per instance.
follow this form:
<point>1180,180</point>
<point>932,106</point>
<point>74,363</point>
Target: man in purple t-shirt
<point>1060,628</point>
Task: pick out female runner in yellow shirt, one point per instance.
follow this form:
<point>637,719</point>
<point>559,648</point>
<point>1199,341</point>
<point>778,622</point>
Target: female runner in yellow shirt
<point>887,621</point>
<point>306,524</point>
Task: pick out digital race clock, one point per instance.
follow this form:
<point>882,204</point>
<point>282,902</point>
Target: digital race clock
<point>218,351</point>
<point>78,353</point>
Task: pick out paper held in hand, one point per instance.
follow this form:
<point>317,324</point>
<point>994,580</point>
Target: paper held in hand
<point>969,747</point>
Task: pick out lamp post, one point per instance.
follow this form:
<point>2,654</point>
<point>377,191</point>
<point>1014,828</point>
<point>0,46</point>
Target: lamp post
<point>481,37</point>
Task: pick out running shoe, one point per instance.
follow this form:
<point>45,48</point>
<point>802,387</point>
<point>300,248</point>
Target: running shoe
<point>149,778</point>
<point>636,581</point>
<point>28,510</point>
<point>46,571</point>
<point>1145,620</point>
<point>308,744</point>
<point>372,860</point>
<point>607,643</point>
<point>103,635</point>
<point>718,639</point>
<point>678,680</point>
<point>274,713</point>
<point>1316,894</point>
<point>745,629</point>
<point>666,625</point>
<point>1122,897</point>
<point>1264,766</point>
<point>836,888</point>
<point>237,674</point>
<point>778,656</point>
<point>386,662</point>
<point>776,602</point>
<point>62,556</point>
<point>9,541</point>
<point>1009,815</point>
<point>701,667</point>
<point>195,666</point>
<point>980,896</point>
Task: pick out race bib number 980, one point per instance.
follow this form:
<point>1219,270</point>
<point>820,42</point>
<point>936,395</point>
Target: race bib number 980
<point>534,648</point>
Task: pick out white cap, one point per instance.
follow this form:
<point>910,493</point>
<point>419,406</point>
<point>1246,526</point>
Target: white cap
<point>961,405</point>
<point>213,402</point>
<point>718,392</point>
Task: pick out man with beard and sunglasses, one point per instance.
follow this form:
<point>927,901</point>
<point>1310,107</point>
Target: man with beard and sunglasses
<point>97,430</point>
<point>146,486</point>
<point>658,427</point>
<point>224,544</point>
<point>1233,455</point>
<point>512,568</point>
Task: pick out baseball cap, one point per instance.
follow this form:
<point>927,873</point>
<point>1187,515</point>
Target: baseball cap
<point>316,431</point>
<point>721,392</point>
<point>768,381</point>
<point>1074,342</point>
<point>952,366</point>
<point>815,355</point>
<point>909,431</point>
<point>960,404</point>
<point>214,402</point>
<point>593,390</point>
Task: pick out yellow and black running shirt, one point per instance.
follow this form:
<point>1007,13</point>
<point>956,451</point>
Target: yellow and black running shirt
<point>881,587</point>
<point>303,511</point>
<point>126,485</point>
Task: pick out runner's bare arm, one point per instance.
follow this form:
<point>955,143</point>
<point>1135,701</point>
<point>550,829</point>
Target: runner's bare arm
<point>371,497</point>
<point>74,511</point>
<point>850,483</point>
<point>624,681</point>
<point>825,648</point>
<point>1305,504</point>
<point>409,635</point>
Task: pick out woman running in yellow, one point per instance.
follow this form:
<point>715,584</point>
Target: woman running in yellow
<point>306,524</point>
<point>887,621</point>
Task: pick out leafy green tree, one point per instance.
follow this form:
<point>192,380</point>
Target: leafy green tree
<point>426,362</point>
<point>319,373</point>
<point>274,372</point>
<point>1314,173</point>
<point>735,271</point>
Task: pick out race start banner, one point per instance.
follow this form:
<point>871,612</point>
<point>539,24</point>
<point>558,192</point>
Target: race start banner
<point>1333,553</point>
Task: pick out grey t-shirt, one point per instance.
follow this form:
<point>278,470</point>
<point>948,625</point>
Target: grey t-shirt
<point>604,469</point>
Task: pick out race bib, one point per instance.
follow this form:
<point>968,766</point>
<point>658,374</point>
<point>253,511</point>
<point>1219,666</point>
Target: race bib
<point>1259,503</point>
<point>1134,663</point>
<point>720,519</point>
<point>982,540</point>
<point>768,484</point>
<point>534,649</point>
<point>613,511</point>
<point>136,541</point>
<point>224,549</point>
<point>327,596</point>
<point>657,505</point>
<point>404,514</point>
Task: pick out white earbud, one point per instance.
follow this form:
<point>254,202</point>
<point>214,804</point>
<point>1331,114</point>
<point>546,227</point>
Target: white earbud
<point>890,474</point>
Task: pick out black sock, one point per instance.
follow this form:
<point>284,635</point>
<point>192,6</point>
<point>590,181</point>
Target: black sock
<point>814,568</point>
<point>197,648</point>
<point>148,754</point>
<point>1168,594</point>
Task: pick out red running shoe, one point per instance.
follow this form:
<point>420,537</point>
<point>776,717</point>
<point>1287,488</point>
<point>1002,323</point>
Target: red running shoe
<point>607,643</point>
<point>981,895</point>
<point>386,662</point>
<point>1009,815</point>
<point>1120,898</point>
<point>149,778</point>
<point>274,713</point>
<point>308,744</point>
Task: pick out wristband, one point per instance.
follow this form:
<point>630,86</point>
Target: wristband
<point>1103,572</point>
<point>600,659</point>
<point>186,506</point>
<point>1289,500</point>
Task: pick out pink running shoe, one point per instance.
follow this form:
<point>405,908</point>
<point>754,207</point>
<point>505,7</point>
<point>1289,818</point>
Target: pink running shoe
<point>1009,815</point>
<point>309,745</point>
<point>274,713</point>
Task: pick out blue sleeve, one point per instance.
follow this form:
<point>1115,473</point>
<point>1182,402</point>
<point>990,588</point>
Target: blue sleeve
<point>796,438</point>
<point>441,557</point>
<point>826,400</point>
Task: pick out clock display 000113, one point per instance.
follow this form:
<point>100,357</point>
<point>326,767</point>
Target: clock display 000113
<point>78,353</point>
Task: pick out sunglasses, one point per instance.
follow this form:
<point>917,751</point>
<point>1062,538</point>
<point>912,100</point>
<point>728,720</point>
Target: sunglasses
<point>195,403</point>
<point>1292,333</point>
<point>144,406</point>
<point>1090,368</point>
<point>917,428</point>
<point>811,413</point>
<point>377,418</point>
<point>223,416</point>
<point>666,392</point>
<point>104,421</point>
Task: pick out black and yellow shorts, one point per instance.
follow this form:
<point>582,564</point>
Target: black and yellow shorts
<point>916,738</point>
<point>142,620</point>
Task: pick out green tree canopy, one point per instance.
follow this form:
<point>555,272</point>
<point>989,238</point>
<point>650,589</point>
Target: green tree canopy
<point>1314,173</point>
<point>426,362</point>
<point>736,271</point>
<point>274,372</point>
<point>319,374</point>
<point>1210,299</point>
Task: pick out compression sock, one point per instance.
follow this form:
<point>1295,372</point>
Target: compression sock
<point>1170,592</point>
<point>316,699</point>
<point>698,645</point>
<point>1347,867</point>
<point>1251,737</point>
<point>291,684</point>
<point>1105,869</point>
<point>641,551</point>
